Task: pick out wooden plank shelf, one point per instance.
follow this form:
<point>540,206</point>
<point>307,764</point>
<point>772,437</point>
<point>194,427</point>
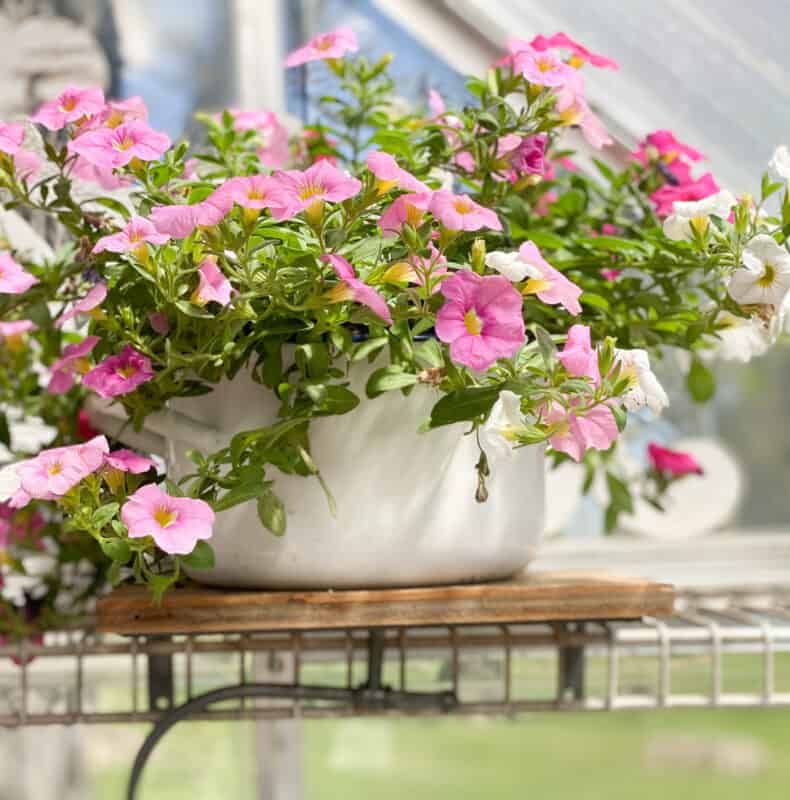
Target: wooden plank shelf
<point>530,597</point>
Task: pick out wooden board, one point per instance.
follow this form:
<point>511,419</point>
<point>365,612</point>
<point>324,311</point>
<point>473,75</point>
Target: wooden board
<point>531,597</point>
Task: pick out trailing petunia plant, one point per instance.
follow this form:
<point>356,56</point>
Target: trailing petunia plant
<point>462,249</point>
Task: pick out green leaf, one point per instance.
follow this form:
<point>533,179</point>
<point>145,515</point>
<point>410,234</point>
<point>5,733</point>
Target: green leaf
<point>191,310</point>
<point>463,405</point>
<point>545,240</point>
<point>102,516</point>
<point>388,379</point>
<point>158,585</point>
<point>371,347</point>
<point>614,243</point>
<point>312,359</point>
<point>619,493</point>
<point>594,301</point>
<point>241,493</point>
<point>271,513</point>
<point>116,549</point>
<point>5,433</point>
<point>429,354</point>
<point>337,400</point>
<point>114,205</point>
<point>548,349</point>
<point>202,557</point>
<point>700,382</point>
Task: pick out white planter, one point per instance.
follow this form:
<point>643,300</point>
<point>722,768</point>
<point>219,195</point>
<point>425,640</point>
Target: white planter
<point>406,512</point>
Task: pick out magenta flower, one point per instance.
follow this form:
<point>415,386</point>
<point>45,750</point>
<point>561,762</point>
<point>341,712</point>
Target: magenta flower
<point>70,106</point>
<point>575,434</point>
<point>481,319</point>
<point>214,287</point>
<point>110,148</point>
<point>663,145</point>
<point>390,176</point>
<point>16,328</point>
<point>539,66</point>
<point>458,212</point>
<point>673,462</point>
<point>406,208</point>
<point>324,46</point>
<point>552,287</point>
<point>134,235</point>
<point>352,288</point>
<point>93,299</point>
<point>579,53</point>
<point>175,523</point>
<point>179,221</point>
<point>159,322</point>
<point>665,197</point>
<point>11,137</point>
<point>119,374</point>
<point>53,473</point>
<point>320,182</point>
<point>73,359</point>
<point>128,461</point>
<point>14,279</point>
<point>524,154</point>
<point>578,356</point>
<point>257,191</point>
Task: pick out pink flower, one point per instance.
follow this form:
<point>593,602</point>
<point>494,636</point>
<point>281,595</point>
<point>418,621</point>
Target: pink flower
<point>128,461</point>
<point>134,235</point>
<point>110,148</point>
<point>664,146</point>
<point>390,176</point>
<point>326,45</point>
<point>541,68</point>
<point>273,152</point>
<point>16,328</point>
<point>257,191</point>
<point>175,523</point>
<point>524,154</point>
<point>579,53</point>
<point>116,112</point>
<point>119,374</point>
<point>436,103</point>
<point>26,164</point>
<point>83,170</point>
<point>674,462</point>
<point>179,221</point>
<point>11,137</point>
<point>320,182</point>
<point>458,212</point>
<point>576,434</point>
<point>578,356</point>
<point>159,322</point>
<point>94,298</point>
<point>552,287</point>
<point>352,288</point>
<point>481,319</point>
<point>406,208</point>
<point>214,287</point>
<point>13,278</point>
<point>573,110</point>
<point>73,359</point>
<point>611,274</point>
<point>53,473</point>
<point>70,106</point>
<point>665,197</point>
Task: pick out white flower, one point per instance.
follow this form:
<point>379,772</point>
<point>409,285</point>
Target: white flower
<point>688,216</point>
<point>764,277</point>
<point>9,482</point>
<point>741,338</point>
<point>780,162</point>
<point>512,266</point>
<point>446,178</point>
<point>503,424</point>
<point>644,388</point>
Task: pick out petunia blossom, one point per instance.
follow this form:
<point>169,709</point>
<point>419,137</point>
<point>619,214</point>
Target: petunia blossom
<point>675,156</point>
<point>213,286</point>
<point>119,374</point>
<point>92,300</point>
<point>579,53</point>
<point>779,163</point>
<point>16,327</point>
<point>408,208</point>
<point>334,44</point>
<point>71,105</point>
<point>390,176</point>
<point>309,188</point>
<point>27,164</point>
<point>578,356</point>
<point>481,319</point>
<point>539,67</point>
<point>256,192</point>
<point>644,388</point>
<point>179,221</point>
<point>111,148</point>
<point>764,276</point>
<point>573,109</point>
<point>72,360</point>
<point>273,151</point>
<point>690,217</point>
<point>665,197</point>
<point>458,212</point>
<point>128,461</point>
<point>14,279</point>
<point>116,112</point>
<point>575,434</point>
<point>352,288</point>
<point>176,524</point>
<point>137,232</point>
<point>673,462</point>
<point>11,137</point>
<point>83,170</point>
<point>741,338</point>
<point>505,421</point>
<point>524,155</point>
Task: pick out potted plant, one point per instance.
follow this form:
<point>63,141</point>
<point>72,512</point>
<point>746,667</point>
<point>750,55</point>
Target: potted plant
<point>352,350</point>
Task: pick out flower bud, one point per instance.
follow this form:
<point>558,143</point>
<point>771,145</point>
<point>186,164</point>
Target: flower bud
<point>479,255</point>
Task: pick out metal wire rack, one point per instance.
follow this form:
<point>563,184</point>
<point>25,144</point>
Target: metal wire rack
<point>722,649</point>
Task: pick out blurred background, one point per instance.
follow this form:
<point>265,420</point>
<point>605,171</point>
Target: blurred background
<point>713,71</point>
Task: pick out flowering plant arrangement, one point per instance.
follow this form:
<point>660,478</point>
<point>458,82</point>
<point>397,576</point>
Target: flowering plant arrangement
<point>462,250</point>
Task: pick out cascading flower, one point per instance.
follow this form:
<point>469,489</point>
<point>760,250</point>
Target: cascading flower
<point>672,462</point>
<point>110,148</point>
<point>458,212</point>
<point>573,109</point>
<point>665,197</point>
<point>134,236</point>
<point>334,44</point>
<point>180,221</point>
<point>176,524</point>
<point>580,55</point>
<point>116,112</point>
<point>213,286</point>
<point>741,338</point>
<point>73,360</point>
<point>14,279</point>
<point>663,146</point>
<point>71,105</point>
<point>578,356</point>
<point>85,306</point>
<point>523,155</point>
<point>119,462</point>
<point>644,389</point>
<point>308,190</point>
<point>539,67</point>
<point>119,374</point>
<point>82,169</point>
<point>481,319</point>
<point>390,176</point>
<point>688,218</point>
<point>352,288</point>
<point>11,137</point>
<point>575,433</point>
<point>764,276</point>
<point>257,192</point>
<point>408,208</point>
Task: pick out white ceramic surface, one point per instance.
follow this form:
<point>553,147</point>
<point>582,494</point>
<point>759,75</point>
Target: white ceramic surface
<point>406,513</point>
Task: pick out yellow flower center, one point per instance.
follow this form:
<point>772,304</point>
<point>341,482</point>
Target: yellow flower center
<point>576,62</point>
<point>669,156</point>
<point>256,194</point>
<point>323,43</point>
<point>473,322</point>
<point>126,372</point>
<point>699,224</point>
<point>310,190</point>
<point>463,206</point>
<point>114,120</point>
<point>382,187</point>
<point>535,285</point>
<point>413,215</point>
<point>544,65</point>
<point>768,277</point>
<point>164,516</point>
<point>69,104</point>
<point>55,468</point>
<point>123,144</point>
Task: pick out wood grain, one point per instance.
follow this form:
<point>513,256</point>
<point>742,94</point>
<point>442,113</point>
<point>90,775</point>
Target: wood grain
<point>530,597</point>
